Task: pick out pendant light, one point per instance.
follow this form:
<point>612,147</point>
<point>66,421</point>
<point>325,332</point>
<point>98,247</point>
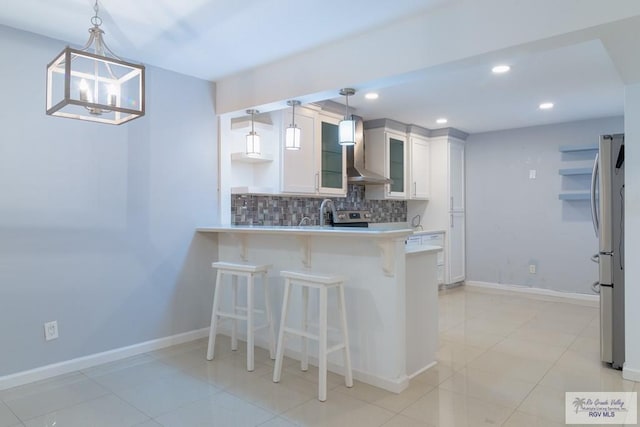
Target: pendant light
<point>253,139</point>
<point>292,134</point>
<point>93,84</point>
<point>347,127</point>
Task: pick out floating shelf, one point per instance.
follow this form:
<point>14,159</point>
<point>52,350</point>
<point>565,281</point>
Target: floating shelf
<point>252,190</point>
<point>575,171</point>
<point>583,195</point>
<point>244,157</point>
<point>570,148</point>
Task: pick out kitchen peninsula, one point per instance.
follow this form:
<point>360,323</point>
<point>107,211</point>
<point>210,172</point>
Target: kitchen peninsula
<point>391,293</point>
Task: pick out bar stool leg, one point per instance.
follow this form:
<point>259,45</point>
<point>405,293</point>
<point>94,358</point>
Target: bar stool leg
<point>267,306</point>
<point>214,316</point>
<point>250,353</point>
<point>348,375</point>
<point>304,361</point>
<point>277,369</point>
<point>234,305</point>
<point>322,346</point>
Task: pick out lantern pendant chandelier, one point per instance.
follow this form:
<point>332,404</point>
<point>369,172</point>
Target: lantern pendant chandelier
<point>253,139</point>
<point>292,134</point>
<point>347,127</point>
<point>93,84</point>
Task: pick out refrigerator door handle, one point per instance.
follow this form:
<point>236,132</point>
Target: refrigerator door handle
<point>594,202</point>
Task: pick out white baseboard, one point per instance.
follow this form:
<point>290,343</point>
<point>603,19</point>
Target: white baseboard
<point>44,372</point>
<point>426,368</point>
<point>571,297</point>
<point>630,374</point>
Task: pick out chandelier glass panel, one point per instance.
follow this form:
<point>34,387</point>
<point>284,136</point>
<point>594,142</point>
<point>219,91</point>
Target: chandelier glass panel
<point>93,84</point>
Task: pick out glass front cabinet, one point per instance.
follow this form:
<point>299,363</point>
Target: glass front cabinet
<point>386,154</point>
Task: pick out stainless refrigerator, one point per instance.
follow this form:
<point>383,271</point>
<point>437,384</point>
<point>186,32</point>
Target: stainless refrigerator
<point>607,208</point>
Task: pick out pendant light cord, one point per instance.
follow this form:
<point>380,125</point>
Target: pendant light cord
<point>293,116</point>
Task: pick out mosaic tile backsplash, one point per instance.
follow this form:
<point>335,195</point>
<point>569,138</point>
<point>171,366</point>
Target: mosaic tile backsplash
<point>255,209</point>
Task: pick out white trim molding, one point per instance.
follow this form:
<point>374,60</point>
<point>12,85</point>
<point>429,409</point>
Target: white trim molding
<point>48,371</point>
<point>548,294</point>
<point>630,374</point>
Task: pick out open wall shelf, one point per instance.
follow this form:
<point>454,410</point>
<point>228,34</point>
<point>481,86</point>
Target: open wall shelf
<point>577,175</point>
<point>578,195</point>
<point>572,148</point>
<point>575,171</point>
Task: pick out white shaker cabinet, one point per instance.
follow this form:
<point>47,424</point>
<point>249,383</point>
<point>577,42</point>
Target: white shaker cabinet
<point>419,167</point>
<point>298,166</point>
<point>456,175</point>
<point>456,265</point>
<point>319,166</point>
<point>445,210</point>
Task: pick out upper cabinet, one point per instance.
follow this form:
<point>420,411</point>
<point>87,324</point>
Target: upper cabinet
<point>331,161</point>
<point>401,153</point>
<point>419,168</point>
<point>319,166</point>
<point>298,166</point>
<point>456,175</point>
<point>386,154</point>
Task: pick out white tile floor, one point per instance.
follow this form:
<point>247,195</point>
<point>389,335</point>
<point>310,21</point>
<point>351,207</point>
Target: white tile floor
<point>504,360</point>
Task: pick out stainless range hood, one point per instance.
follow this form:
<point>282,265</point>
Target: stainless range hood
<point>356,172</point>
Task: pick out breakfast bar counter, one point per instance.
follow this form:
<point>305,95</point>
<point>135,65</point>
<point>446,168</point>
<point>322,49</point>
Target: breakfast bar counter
<point>391,296</point>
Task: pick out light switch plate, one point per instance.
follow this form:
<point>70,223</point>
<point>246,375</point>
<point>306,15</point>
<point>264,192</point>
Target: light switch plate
<point>532,174</point>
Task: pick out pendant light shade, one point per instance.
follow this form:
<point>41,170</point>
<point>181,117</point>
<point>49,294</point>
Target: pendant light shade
<point>93,84</point>
<point>292,134</point>
<point>347,127</point>
<point>253,139</point>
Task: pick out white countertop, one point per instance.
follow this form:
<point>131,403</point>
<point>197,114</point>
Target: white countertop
<point>422,249</point>
<point>311,230</point>
<point>419,232</point>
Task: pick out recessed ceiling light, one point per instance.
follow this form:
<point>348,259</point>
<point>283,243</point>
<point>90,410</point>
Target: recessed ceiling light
<point>500,69</point>
<point>441,121</point>
<point>546,106</point>
<point>371,95</point>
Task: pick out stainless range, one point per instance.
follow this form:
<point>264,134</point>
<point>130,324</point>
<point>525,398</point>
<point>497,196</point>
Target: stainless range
<point>351,219</point>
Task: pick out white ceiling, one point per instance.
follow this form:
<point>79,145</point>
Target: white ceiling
<point>212,39</point>
<point>579,79</point>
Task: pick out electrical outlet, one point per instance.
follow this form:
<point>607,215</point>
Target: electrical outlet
<point>532,268</point>
<point>51,330</point>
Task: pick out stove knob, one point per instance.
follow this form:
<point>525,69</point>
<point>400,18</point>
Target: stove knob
<point>367,215</point>
<point>341,216</point>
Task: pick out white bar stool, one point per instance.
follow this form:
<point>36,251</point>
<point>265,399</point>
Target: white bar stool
<point>323,284</point>
<point>249,272</point>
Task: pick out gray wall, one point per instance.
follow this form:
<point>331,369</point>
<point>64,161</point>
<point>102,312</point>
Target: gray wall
<point>514,221</point>
<point>97,221</point>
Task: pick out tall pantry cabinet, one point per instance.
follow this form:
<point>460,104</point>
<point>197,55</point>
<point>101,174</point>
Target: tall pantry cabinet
<point>446,207</point>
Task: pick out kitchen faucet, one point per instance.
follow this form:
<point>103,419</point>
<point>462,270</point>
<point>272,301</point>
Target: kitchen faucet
<point>303,220</point>
<point>323,205</point>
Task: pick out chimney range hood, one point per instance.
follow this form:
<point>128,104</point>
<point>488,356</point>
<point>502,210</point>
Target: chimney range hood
<point>356,172</point>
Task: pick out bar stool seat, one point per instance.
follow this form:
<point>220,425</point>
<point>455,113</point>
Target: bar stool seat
<point>323,283</point>
<point>249,272</point>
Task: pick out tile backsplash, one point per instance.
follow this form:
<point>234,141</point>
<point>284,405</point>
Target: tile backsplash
<point>256,209</point>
